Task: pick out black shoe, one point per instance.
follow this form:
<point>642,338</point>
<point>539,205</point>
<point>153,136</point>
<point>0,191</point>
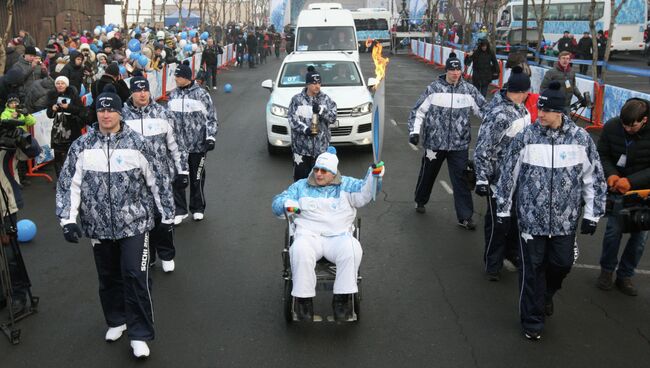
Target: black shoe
<point>18,306</point>
<point>342,307</point>
<point>548,307</point>
<point>532,335</point>
<point>304,309</point>
<point>419,208</point>
<point>467,224</point>
<point>492,276</point>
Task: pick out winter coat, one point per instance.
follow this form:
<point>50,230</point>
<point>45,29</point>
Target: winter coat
<point>584,48</point>
<point>562,76</point>
<point>98,87</point>
<point>550,174</point>
<point>615,142</point>
<point>195,117</point>
<point>502,120</point>
<point>113,183</point>
<point>68,123</point>
<point>27,75</point>
<point>441,115</point>
<point>37,97</point>
<point>565,44</point>
<point>28,120</point>
<point>300,115</point>
<point>75,73</point>
<point>155,123</point>
<point>13,55</point>
<point>326,210</point>
<point>210,55</point>
<point>601,43</point>
<point>8,176</point>
<point>486,66</point>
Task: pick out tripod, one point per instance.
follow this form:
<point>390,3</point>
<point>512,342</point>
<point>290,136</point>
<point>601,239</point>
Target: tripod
<point>8,239</point>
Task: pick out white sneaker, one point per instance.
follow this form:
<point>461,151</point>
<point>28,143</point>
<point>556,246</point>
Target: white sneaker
<point>114,333</point>
<point>140,349</point>
<point>198,216</point>
<point>215,87</point>
<point>168,266</point>
<point>179,218</point>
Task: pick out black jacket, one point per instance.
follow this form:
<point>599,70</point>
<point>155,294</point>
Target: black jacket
<point>75,73</point>
<point>565,44</point>
<point>613,143</point>
<point>602,46</point>
<point>75,116</point>
<point>209,56</point>
<point>486,66</point>
<point>584,48</point>
<point>98,87</point>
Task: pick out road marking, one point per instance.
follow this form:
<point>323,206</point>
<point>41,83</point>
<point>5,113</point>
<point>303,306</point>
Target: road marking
<point>414,148</point>
<point>593,267</point>
<point>393,122</point>
<point>446,187</point>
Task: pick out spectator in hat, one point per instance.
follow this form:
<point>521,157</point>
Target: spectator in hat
<point>29,69</point>
<point>485,66</point>
<point>74,70</point>
<point>111,76</point>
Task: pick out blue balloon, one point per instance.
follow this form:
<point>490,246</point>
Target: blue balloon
<point>26,230</point>
<point>193,33</point>
<point>227,88</point>
<point>205,35</point>
<point>183,35</point>
<point>94,48</point>
<point>188,48</point>
<point>143,61</point>
<point>100,44</point>
<point>134,56</point>
<point>134,45</point>
<point>122,70</point>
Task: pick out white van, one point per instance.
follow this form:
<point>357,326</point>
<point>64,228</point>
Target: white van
<point>372,23</point>
<point>326,27</point>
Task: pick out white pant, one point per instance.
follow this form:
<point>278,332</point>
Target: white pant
<point>343,250</point>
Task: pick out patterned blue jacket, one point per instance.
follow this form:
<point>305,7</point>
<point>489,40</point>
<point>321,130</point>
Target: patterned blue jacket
<point>442,114</point>
<point>552,174</point>
<point>502,120</point>
<point>113,183</point>
<point>300,114</point>
<point>156,124</point>
<point>195,117</point>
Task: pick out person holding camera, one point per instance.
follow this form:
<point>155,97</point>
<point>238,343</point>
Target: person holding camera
<point>15,144</point>
<point>551,174</point>
<point>486,66</point>
<point>14,111</point>
<point>112,180</point>
<point>310,114</point>
<point>70,116</point>
<point>624,149</point>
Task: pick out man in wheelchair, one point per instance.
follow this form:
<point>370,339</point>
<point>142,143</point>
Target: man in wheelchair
<point>325,207</point>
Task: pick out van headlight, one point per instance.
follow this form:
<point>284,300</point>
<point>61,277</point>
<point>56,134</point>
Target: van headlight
<point>364,109</point>
<point>280,111</point>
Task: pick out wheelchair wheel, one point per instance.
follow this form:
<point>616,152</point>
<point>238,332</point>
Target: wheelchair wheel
<point>287,301</point>
<point>357,305</point>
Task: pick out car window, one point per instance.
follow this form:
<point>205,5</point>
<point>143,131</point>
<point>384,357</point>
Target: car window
<point>333,73</point>
<point>326,38</point>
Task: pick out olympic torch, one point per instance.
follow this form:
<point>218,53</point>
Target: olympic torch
<point>378,110</point>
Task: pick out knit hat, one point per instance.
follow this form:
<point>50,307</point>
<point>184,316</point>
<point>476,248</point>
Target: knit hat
<point>113,69</point>
<point>184,71</point>
<point>452,62</point>
<point>63,79</point>
<point>139,83</point>
<point>328,160</point>
<point>552,99</point>
<point>109,100</point>
<point>13,98</point>
<point>518,81</point>
<point>312,76</point>
<point>30,50</point>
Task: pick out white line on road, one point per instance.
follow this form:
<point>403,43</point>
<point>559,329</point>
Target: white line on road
<point>446,187</point>
<point>392,121</point>
<point>593,267</point>
<point>414,148</point>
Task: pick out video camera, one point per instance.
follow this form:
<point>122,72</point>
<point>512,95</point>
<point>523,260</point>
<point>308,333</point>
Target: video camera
<point>12,137</point>
<point>635,215</point>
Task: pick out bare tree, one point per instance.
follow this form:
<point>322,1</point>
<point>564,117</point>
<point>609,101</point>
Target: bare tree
<point>189,11</point>
<point>137,12</point>
<point>5,36</point>
<point>540,12</point>
<point>179,4</point>
<point>614,12</point>
<point>125,12</point>
<point>594,42</point>
<point>153,13</point>
<point>163,13</point>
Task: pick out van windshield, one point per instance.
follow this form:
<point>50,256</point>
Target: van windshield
<point>333,73</point>
<point>326,39</point>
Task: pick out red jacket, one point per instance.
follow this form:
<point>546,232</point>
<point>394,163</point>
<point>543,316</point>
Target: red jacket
<point>531,105</point>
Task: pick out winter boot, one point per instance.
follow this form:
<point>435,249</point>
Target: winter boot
<point>604,281</point>
<point>624,284</point>
<point>305,309</point>
<point>342,308</point>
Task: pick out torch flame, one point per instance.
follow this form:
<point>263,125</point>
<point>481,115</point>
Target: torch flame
<point>380,61</point>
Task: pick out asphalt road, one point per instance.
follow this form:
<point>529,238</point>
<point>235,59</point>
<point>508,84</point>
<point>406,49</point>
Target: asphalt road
<point>426,302</point>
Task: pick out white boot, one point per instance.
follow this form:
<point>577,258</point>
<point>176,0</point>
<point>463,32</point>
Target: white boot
<point>179,218</point>
<point>198,216</point>
<point>168,266</point>
<point>140,349</point>
<point>114,333</point>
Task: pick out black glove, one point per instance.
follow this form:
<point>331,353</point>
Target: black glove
<point>482,190</point>
<point>72,233</point>
<point>414,139</point>
<point>315,108</point>
<point>583,102</point>
<point>588,227</point>
<point>209,144</point>
<point>181,181</point>
<point>502,225</point>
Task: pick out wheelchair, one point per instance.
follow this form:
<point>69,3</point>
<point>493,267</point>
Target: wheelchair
<point>325,276</point>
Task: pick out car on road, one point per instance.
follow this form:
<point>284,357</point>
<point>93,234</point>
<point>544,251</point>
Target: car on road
<point>342,80</point>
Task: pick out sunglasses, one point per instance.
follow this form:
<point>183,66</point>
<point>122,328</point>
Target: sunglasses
<point>318,170</point>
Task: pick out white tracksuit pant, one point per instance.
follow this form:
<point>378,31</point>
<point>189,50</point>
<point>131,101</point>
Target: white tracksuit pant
<point>343,250</point>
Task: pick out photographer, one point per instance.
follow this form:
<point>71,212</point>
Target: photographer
<point>14,144</point>
<point>13,110</point>
<point>486,66</point>
<point>70,117</point>
<point>624,149</point>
